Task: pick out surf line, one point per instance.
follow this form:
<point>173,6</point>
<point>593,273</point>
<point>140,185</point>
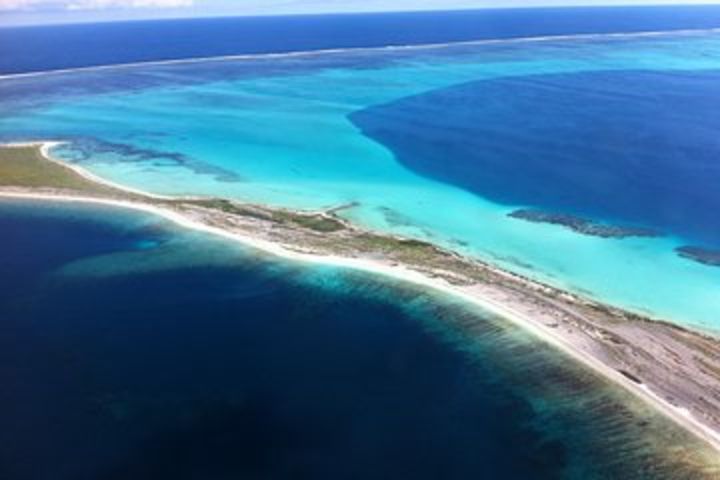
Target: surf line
<point>336,51</point>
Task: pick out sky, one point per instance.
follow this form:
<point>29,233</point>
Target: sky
<point>20,12</point>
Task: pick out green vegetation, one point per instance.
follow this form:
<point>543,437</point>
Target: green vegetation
<point>316,222</point>
<point>26,167</point>
<point>227,206</point>
<point>382,243</point>
<point>410,251</point>
<point>311,221</point>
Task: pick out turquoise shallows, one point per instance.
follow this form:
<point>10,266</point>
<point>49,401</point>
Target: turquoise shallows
<point>276,130</point>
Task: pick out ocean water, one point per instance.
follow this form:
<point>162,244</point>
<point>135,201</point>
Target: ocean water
<point>636,146</point>
<point>439,143</point>
<point>32,49</point>
<point>135,349</point>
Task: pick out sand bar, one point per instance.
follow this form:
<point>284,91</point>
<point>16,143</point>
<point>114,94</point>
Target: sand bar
<point>671,368</point>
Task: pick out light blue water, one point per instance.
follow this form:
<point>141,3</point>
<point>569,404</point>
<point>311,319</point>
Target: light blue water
<point>277,131</point>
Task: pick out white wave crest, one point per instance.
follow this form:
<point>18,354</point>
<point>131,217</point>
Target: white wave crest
<point>335,51</point>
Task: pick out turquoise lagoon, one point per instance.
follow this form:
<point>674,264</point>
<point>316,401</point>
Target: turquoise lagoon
<point>279,130</point>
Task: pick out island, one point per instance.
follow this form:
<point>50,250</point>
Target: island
<point>674,369</point>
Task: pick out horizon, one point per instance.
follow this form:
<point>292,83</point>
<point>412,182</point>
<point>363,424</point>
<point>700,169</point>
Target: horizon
<point>404,242</point>
<point>24,13</point>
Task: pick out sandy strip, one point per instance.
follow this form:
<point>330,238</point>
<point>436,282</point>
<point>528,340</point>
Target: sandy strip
<point>680,415</point>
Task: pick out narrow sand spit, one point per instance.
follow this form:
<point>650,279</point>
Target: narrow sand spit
<point>487,297</point>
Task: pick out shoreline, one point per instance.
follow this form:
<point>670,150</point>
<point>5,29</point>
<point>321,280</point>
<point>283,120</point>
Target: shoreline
<point>481,296</point>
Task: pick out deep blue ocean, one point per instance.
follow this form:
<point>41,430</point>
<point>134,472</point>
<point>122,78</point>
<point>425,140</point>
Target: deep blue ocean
<point>28,49</point>
<point>130,349</point>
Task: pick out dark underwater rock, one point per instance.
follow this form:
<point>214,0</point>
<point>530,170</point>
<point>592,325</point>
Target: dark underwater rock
<point>582,225</point>
<point>702,255</point>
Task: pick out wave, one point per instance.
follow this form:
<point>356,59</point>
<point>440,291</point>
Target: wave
<point>334,51</point>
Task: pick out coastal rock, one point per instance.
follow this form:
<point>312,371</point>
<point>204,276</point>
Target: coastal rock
<point>702,255</point>
<point>582,225</point>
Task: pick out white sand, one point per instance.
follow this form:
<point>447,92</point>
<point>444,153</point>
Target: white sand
<point>554,337</point>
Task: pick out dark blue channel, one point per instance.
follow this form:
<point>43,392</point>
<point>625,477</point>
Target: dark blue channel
<point>627,146</point>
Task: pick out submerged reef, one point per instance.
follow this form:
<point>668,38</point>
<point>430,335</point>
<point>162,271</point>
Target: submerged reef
<point>582,225</point>
<point>702,255</point>
<point>679,367</point>
<point>85,148</point>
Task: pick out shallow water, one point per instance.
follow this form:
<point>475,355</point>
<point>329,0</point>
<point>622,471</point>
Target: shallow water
<point>280,131</point>
<point>133,349</point>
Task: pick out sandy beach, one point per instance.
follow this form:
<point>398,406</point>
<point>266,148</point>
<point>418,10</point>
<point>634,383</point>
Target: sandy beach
<point>497,300</point>
<point>518,304</point>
